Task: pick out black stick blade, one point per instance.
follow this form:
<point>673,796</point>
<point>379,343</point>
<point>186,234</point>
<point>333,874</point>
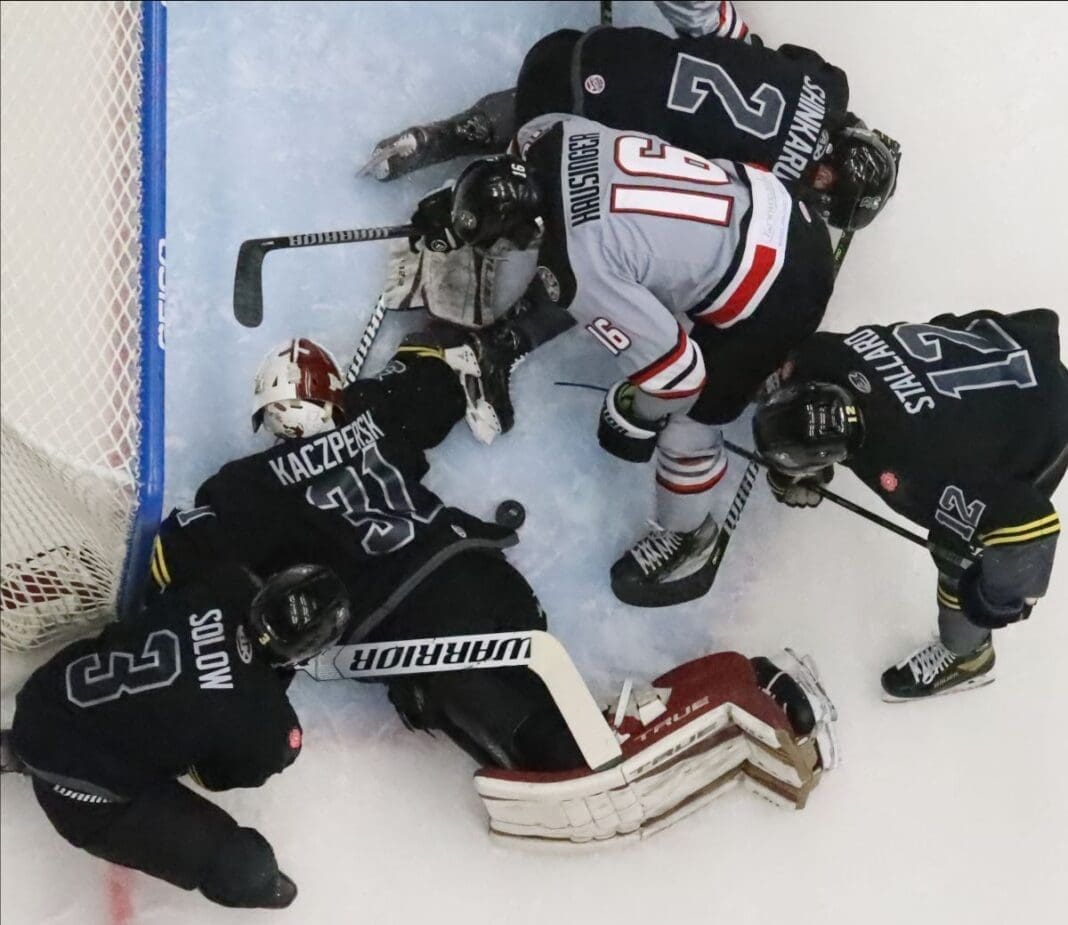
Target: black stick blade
<point>248,282</point>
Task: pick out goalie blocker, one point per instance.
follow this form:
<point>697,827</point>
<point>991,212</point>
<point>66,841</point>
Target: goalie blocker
<point>708,726</point>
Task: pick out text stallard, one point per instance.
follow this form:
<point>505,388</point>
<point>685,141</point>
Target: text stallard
<point>583,178</point>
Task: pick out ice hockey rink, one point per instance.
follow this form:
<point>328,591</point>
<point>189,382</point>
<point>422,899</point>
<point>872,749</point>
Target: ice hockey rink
<point>950,811</point>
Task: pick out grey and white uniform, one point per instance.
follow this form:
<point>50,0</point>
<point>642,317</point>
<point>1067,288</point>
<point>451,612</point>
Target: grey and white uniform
<point>687,270</point>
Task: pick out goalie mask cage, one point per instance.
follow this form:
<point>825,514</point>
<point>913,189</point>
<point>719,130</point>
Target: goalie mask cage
<point>81,327</point>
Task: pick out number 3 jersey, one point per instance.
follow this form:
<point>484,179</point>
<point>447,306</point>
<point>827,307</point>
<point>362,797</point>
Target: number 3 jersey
<point>178,689</point>
<point>965,423</point>
<point>351,498</point>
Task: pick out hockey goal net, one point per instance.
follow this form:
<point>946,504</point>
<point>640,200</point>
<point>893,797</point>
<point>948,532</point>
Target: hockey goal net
<point>81,371</point>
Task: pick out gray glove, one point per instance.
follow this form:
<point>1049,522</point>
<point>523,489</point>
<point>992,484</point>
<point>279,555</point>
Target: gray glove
<point>799,492</point>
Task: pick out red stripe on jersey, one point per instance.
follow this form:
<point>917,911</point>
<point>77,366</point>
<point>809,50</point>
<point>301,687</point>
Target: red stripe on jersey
<point>722,15</point>
<point>744,32</point>
<point>691,489</point>
<point>673,356</point>
<point>763,263</point>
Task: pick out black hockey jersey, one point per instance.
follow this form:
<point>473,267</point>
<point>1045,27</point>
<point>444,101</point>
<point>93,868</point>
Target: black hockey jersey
<point>351,499</point>
<point>717,97</point>
<point>179,689</point>
<point>965,421</point>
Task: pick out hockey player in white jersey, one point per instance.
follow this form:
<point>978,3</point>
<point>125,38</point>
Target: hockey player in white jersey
<point>698,275</point>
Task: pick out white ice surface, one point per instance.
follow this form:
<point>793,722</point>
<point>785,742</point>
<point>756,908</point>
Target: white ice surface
<point>945,812</point>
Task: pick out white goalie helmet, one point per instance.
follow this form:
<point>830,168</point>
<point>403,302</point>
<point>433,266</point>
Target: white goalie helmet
<point>298,390</point>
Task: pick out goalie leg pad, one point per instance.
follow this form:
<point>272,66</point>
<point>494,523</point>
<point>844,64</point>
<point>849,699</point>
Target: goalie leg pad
<point>718,730</point>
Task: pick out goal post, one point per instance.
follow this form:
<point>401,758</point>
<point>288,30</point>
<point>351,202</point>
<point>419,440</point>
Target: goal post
<point>83,89</point>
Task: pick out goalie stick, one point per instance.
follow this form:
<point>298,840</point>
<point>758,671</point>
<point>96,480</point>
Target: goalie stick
<point>248,274</point>
<point>540,652</point>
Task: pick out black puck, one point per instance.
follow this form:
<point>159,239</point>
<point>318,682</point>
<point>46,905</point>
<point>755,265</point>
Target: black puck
<point>510,515</point>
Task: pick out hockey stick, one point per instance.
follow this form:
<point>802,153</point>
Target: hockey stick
<point>606,12</point>
<point>734,513</point>
<point>939,552</point>
<point>366,340</point>
<point>540,652</point>
<point>248,274</point>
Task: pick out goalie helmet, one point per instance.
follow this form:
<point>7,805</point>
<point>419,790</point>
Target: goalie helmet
<point>856,179</point>
<point>494,198</point>
<point>299,612</point>
<point>805,427</point>
<point>298,390</point>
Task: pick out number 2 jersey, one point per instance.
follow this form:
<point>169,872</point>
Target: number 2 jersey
<point>642,238</point>
<point>965,429</point>
<point>713,95</point>
<point>351,499</point>
<point>180,689</point>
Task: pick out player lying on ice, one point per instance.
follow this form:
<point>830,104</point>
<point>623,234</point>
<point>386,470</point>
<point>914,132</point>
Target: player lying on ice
<point>960,425</point>
<point>343,488</point>
<point>714,90</point>
<point>195,685</point>
<point>698,275</point>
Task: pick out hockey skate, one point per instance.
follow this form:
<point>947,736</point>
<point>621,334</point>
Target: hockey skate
<point>668,567</point>
<point>484,128</point>
<point>934,670</point>
<point>423,145</point>
<point>700,730</point>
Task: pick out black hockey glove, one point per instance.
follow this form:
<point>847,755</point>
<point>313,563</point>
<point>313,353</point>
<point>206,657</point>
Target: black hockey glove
<point>621,431</point>
<point>799,492</point>
<point>432,220</point>
<point>980,610</point>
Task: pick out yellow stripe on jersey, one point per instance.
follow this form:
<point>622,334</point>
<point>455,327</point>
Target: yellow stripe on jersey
<point>1024,537</point>
<point>1048,520</point>
<point>419,351</point>
<point>947,600</point>
<point>159,565</point>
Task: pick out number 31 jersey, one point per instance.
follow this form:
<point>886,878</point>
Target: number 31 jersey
<point>965,417</point>
<point>351,499</point>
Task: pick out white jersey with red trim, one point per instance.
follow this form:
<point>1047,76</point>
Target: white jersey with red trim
<point>641,237</point>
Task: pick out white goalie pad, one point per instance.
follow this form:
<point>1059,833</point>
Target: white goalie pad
<point>716,731</point>
<point>460,287</point>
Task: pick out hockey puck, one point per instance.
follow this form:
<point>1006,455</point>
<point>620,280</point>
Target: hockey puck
<point>510,514</point>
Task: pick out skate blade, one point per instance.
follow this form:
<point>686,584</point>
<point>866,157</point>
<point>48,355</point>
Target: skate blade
<point>377,165</point>
<point>972,684</point>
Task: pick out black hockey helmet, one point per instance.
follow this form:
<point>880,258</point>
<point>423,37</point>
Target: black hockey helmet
<point>804,427</point>
<point>496,197</point>
<point>298,613</point>
<point>858,177</point>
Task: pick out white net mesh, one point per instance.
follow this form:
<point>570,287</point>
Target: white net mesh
<point>70,253</point>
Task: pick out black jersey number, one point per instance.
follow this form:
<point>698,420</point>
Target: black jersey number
<point>1008,365</point>
<point>91,680</point>
<point>385,521</point>
<point>760,115</point>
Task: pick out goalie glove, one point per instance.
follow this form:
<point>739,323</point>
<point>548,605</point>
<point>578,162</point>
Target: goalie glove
<point>802,492</point>
<point>432,223</point>
<point>621,431</point>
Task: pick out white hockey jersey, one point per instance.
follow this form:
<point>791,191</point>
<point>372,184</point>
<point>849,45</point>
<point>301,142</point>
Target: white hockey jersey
<point>642,238</point>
